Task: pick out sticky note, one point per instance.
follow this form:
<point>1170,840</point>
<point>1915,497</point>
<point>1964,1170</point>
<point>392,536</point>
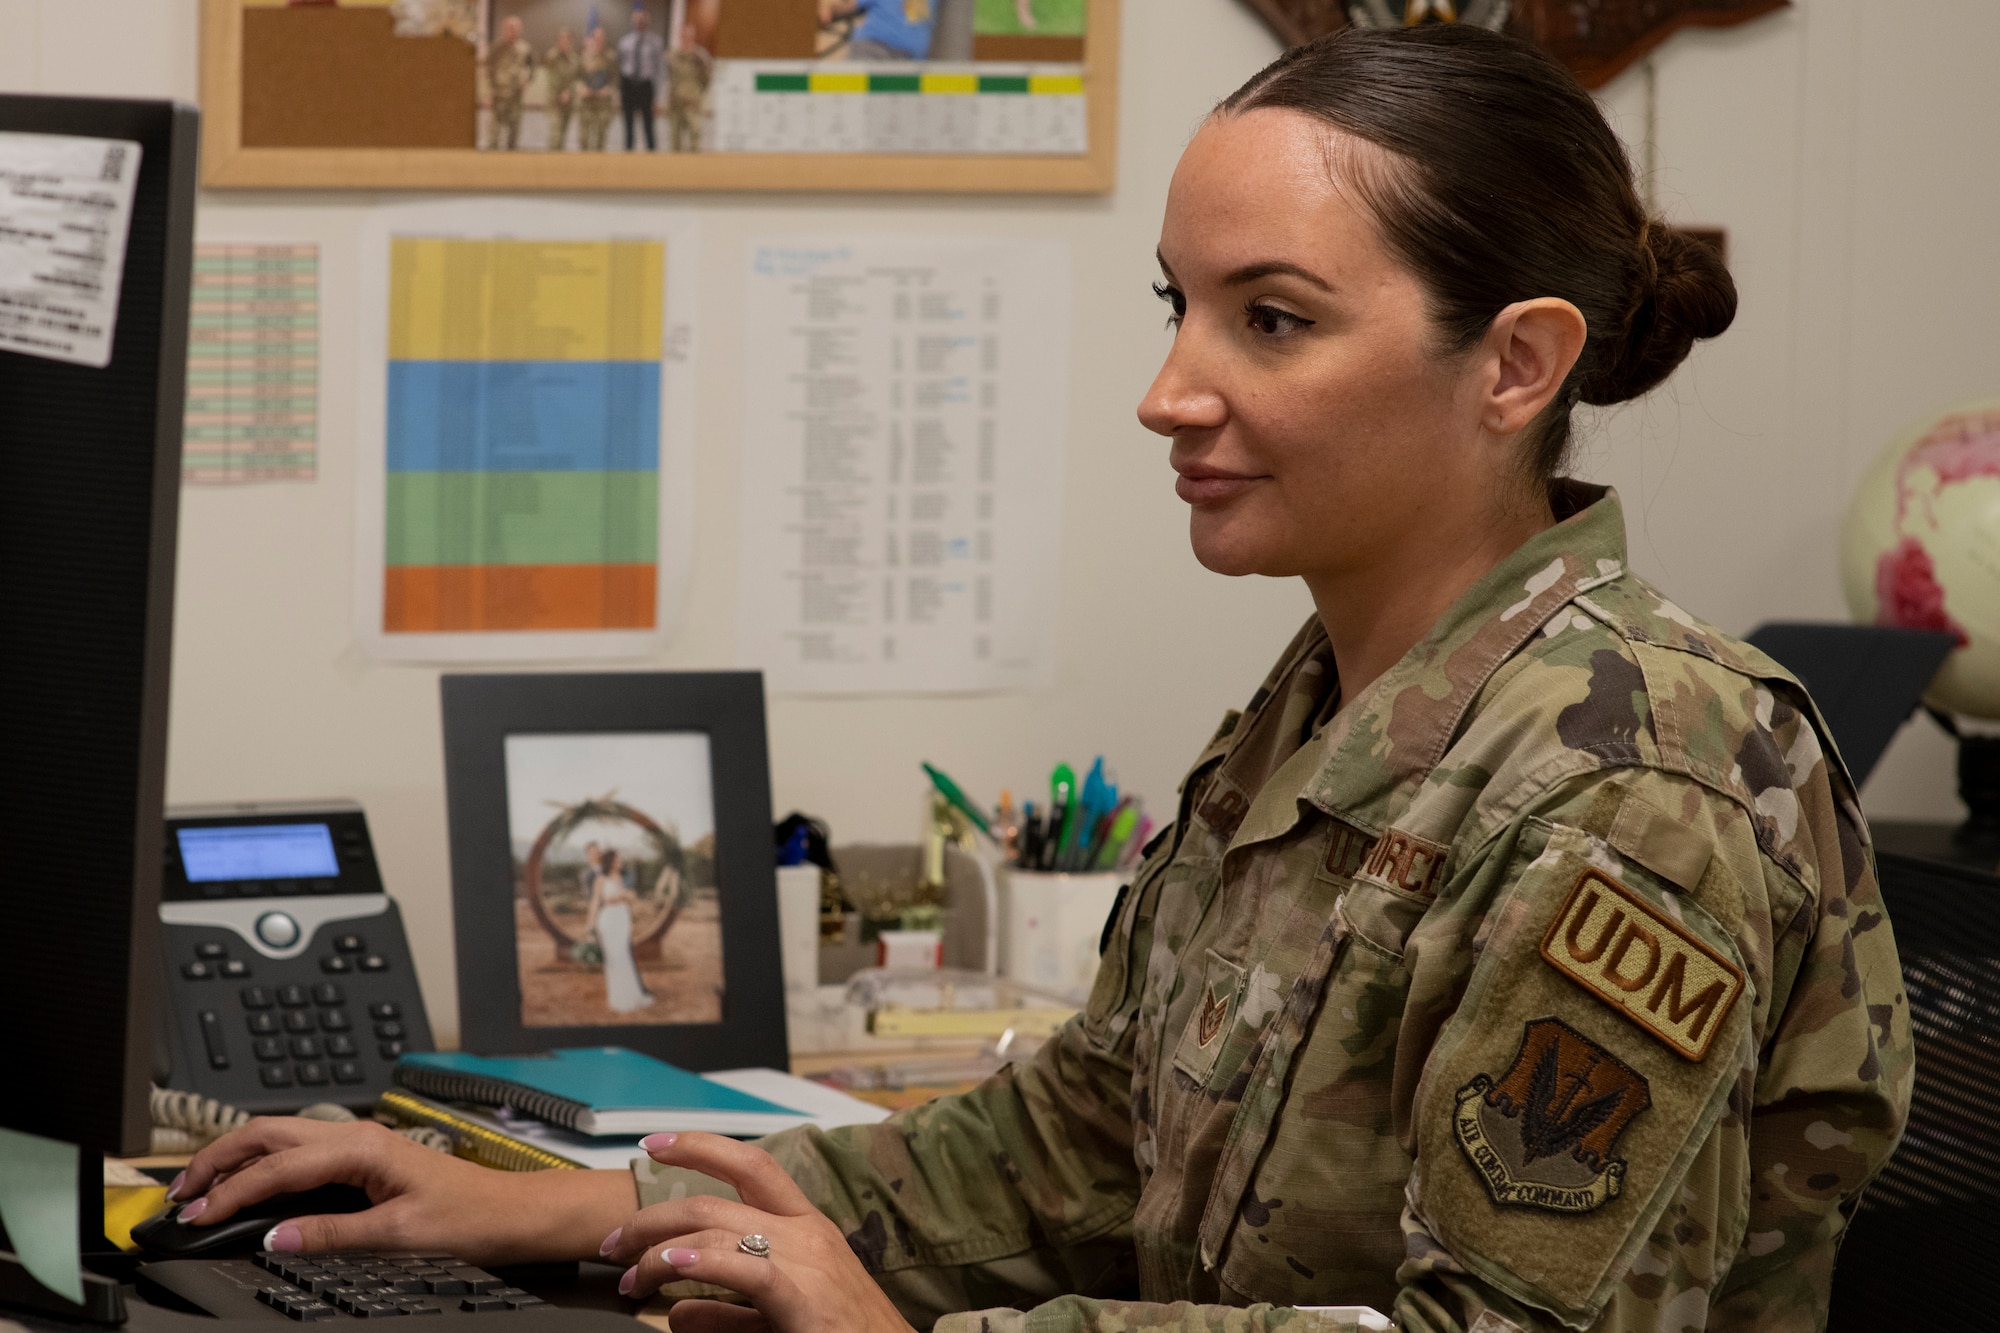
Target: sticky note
<point>38,1181</point>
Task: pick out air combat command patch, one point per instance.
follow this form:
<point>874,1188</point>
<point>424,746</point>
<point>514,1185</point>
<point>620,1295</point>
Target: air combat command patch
<point>1541,1135</point>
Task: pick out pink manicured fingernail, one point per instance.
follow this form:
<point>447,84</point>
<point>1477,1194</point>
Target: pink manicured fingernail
<point>192,1211</point>
<point>174,1189</point>
<point>611,1241</point>
<point>658,1142</point>
<point>626,1283</point>
<point>284,1236</point>
<point>681,1258</point>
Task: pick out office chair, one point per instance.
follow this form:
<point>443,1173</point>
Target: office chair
<point>1920,1248</point>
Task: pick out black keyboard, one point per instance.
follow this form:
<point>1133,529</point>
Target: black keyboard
<point>348,1284</point>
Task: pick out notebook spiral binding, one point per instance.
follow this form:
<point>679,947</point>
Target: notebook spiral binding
<point>448,1086</point>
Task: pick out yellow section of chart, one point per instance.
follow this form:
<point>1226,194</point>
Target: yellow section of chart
<point>465,300</point>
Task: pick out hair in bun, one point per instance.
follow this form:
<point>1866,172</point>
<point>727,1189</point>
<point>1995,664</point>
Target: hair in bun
<point>1681,292</point>
<point>1503,183</point>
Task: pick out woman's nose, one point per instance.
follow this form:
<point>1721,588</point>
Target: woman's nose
<point>1181,398</point>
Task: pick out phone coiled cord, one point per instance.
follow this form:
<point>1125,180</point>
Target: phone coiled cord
<point>185,1122</point>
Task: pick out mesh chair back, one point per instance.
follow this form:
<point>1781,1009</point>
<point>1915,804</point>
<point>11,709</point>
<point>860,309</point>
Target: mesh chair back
<point>1920,1247</point>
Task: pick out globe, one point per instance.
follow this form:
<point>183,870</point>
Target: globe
<point>1921,549</point>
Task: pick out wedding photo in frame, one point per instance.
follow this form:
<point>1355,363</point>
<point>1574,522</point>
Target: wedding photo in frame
<point>613,879</point>
<point>876,95</point>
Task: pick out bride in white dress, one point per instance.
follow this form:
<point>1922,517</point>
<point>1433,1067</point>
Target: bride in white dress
<point>611,918</point>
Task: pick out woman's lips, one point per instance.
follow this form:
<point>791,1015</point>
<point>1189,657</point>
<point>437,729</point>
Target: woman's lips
<point>1206,486</point>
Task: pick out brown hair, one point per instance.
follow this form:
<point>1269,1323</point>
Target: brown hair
<point>1505,184</point>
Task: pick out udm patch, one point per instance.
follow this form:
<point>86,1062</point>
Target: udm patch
<point>1643,963</point>
<point>1542,1134</point>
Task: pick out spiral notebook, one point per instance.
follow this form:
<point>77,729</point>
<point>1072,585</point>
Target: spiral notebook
<point>598,1090</point>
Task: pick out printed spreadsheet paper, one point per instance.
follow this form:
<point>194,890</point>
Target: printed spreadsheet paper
<point>65,213</point>
<point>524,418</point>
<point>906,404</point>
<point>253,363</point>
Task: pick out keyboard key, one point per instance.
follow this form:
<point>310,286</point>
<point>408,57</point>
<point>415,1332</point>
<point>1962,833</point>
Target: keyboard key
<point>374,962</point>
<point>391,1031</point>
<point>262,1024</point>
<point>334,962</point>
<point>328,993</point>
<point>346,1071</point>
<point>255,997</point>
<point>390,1050</point>
<point>312,1311</point>
<point>350,944</point>
<point>340,1046</point>
<point>312,1073</point>
<point>477,1280</point>
<point>305,1048</point>
<point>377,1310</point>
<point>268,1048</point>
<point>385,1009</point>
<point>276,1076</point>
<point>334,1020</point>
<point>235,969</point>
<point>292,997</point>
<point>419,1307</point>
<point>523,1301</point>
<point>197,971</point>
<point>409,1286</point>
<point>298,1020</point>
<point>211,950</point>
<point>271,1261</point>
<point>447,1285</point>
<point>481,1304</point>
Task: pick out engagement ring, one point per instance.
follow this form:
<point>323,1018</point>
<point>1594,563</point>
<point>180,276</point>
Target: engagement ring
<point>755,1244</point>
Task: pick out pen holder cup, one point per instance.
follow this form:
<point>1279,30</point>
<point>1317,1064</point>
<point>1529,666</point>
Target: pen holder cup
<point>1050,925</point>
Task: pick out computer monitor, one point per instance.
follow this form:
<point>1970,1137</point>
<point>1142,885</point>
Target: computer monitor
<point>89,499</point>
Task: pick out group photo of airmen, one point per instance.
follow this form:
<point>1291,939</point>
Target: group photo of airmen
<point>597,76</point>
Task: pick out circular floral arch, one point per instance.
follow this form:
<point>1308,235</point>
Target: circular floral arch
<point>671,884</point>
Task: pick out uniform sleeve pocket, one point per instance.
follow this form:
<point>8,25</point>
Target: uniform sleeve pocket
<point>1590,1058</point>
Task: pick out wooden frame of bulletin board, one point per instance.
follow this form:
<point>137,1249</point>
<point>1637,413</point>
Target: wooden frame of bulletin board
<point>336,70</point>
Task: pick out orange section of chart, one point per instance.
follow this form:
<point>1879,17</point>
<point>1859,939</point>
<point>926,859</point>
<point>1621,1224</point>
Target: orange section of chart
<point>253,364</point>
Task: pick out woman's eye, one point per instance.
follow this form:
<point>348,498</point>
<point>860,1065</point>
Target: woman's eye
<point>1273,322</point>
<point>1173,297</point>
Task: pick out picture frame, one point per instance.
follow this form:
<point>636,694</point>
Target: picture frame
<point>241,150</point>
<point>523,956</point>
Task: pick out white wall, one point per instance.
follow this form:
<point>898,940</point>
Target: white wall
<point>1847,152</point>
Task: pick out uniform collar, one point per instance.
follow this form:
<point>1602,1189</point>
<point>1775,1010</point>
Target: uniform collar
<point>1382,746</point>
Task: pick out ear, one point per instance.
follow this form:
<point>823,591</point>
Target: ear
<point>1531,346</point>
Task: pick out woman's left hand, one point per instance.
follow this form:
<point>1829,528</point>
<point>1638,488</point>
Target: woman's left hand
<point>810,1281</point>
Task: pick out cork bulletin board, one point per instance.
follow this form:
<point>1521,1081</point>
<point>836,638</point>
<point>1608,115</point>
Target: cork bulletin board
<point>873,95</point>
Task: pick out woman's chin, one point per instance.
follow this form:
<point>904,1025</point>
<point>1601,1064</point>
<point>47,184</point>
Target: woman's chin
<point>1225,548</point>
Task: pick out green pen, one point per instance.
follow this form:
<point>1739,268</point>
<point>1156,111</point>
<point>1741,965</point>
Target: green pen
<point>1114,841</point>
<point>949,790</point>
<point>1062,813</point>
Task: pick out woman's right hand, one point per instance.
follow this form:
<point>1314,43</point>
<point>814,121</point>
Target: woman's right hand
<point>422,1197</point>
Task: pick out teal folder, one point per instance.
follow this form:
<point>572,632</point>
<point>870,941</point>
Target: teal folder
<point>600,1090</point>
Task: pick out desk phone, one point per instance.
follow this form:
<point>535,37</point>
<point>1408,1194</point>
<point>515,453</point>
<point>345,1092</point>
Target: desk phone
<point>288,976</point>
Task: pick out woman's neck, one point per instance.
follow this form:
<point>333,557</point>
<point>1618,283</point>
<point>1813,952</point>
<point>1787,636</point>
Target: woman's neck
<point>1375,614</point>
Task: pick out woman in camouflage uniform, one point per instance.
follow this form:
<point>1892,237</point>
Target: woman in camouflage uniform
<point>1515,960</point>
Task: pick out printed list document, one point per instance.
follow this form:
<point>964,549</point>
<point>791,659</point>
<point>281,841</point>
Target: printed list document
<point>65,211</point>
<point>903,462</point>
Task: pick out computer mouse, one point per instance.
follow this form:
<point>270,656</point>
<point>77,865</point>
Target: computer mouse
<point>162,1237</point>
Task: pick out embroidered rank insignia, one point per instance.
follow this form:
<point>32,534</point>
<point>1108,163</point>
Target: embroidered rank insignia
<point>1214,1008</point>
<point>1541,1135</point>
<point>1644,964</point>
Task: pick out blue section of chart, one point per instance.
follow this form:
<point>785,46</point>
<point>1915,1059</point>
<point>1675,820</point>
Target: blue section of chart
<point>524,416</point>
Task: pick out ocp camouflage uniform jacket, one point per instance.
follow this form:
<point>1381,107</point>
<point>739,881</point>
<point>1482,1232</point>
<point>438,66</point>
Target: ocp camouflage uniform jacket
<point>1546,985</point>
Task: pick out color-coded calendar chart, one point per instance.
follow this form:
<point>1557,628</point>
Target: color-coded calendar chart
<point>253,364</point>
<point>522,435</point>
<point>764,106</point>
